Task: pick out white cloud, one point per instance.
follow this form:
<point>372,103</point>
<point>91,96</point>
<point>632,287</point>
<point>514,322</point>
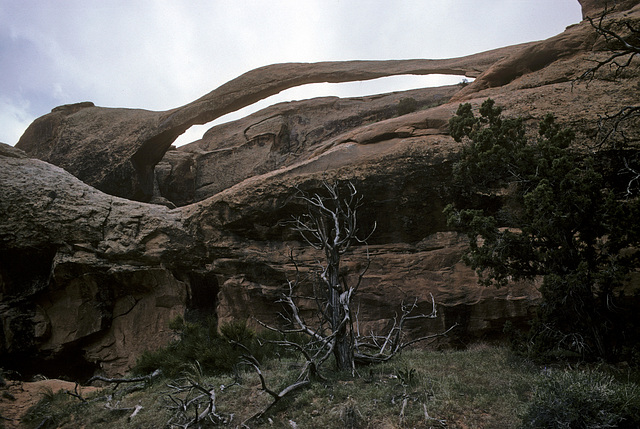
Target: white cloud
<point>14,119</point>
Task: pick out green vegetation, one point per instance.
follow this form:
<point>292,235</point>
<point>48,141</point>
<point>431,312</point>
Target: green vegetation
<point>538,208</point>
<point>52,410</point>
<point>407,105</point>
<point>477,388</point>
<point>583,399</point>
<point>214,352</point>
<point>196,341</point>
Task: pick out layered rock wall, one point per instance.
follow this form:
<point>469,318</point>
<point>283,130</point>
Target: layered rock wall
<point>83,276</point>
<point>91,272</point>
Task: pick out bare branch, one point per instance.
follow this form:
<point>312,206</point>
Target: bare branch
<point>147,379</point>
<point>429,337</point>
<point>618,46</point>
<point>76,393</point>
<point>277,396</point>
<point>611,125</point>
<point>391,344</point>
<point>331,221</point>
<point>618,130</point>
<point>192,397</point>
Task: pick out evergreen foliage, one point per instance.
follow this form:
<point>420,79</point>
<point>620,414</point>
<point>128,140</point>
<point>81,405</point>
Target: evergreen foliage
<point>214,352</point>
<point>536,208</point>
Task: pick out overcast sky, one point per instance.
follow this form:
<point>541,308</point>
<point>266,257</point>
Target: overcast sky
<point>160,54</point>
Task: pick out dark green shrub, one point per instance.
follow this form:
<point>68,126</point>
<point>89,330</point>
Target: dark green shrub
<point>537,208</point>
<point>407,105</point>
<point>578,399</point>
<point>197,342</point>
<point>238,332</point>
<point>216,353</point>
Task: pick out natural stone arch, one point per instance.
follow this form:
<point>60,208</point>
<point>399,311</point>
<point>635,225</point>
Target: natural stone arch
<point>115,150</point>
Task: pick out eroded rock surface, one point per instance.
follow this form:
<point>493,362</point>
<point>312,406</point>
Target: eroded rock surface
<point>287,134</point>
<point>594,8</point>
<point>86,278</point>
<point>91,279</point>
<point>115,150</point>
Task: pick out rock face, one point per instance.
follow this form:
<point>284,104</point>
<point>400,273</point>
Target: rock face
<point>284,135</point>
<point>81,277</point>
<point>96,258</point>
<point>594,8</point>
<point>115,150</point>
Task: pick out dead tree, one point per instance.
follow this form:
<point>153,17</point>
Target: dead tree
<point>330,225</point>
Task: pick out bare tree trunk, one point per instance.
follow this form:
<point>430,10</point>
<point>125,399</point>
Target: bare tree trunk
<point>330,224</point>
<point>343,353</point>
<point>339,311</point>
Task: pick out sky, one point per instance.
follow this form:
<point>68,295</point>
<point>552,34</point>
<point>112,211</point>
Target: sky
<point>161,54</point>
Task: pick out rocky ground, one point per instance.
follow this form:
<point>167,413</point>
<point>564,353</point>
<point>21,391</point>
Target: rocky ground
<point>18,396</point>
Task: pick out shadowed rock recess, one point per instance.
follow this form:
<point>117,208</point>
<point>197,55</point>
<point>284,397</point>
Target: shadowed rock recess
<point>107,232</point>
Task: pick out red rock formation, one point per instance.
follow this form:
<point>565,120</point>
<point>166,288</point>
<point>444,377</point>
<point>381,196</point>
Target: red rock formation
<point>115,150</point>
<point>594,8</point>
<point>91,278</point>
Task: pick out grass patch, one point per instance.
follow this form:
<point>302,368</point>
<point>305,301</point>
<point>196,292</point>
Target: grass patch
<point>583,399</point>
<point>51,411</point>
<point>484,387</point>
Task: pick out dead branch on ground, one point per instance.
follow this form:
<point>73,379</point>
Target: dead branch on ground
<point>277,396</point>
<point>193,401</point>
<point>387,346</point>
<point>146,379</point>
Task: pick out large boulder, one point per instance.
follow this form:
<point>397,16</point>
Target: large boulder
<point>86,278</point>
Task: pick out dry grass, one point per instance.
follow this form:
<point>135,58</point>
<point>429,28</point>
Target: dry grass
<point>484,387</point>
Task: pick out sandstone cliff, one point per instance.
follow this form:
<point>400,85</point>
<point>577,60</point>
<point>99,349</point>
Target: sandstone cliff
<point>111,232</point>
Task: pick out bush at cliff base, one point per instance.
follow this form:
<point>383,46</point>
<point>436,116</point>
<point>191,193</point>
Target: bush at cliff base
<point>216,353</point>
<point>583,399</point>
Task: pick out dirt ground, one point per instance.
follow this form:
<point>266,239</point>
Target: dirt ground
<point>17,397</point>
